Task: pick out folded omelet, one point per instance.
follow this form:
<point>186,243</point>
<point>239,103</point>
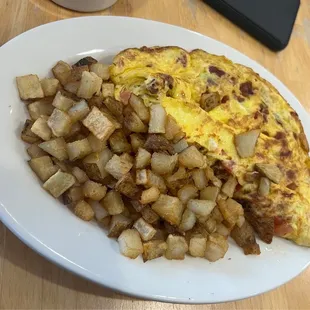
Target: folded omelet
<point>243,101</point>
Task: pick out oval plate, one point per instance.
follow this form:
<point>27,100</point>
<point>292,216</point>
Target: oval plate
<point>51,229</point>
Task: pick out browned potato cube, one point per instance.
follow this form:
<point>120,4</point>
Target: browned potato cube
<point>107,90</point>
<point>229,187</point>
<point>115,107</point>
<point>201,207</point>
<point>210,225</point>
<point>158,119</point>
<point>163,163</point>
<point>138,106</point>
<point>199,177</point>
<point>118,224</point>
<point>95,101</point>
<point>101,70</point>
<point>43,167</point>
<point>96,144</point>
<point>133,123</point>
<point>172,128</point>
<point>85,62</point>
<point>264,186</point>
<point>113,203</point>
<point>119,143</point>
<point>197,246</point>
<point>209,193</point>
<point>50,86</point>
<point>178,179</point>
<point>62,72</point>
<point>90,85</point>
<point>56,148</point>
<point>142,177</point>
<point>101,213</point>
<point>246,142</point>
<point>34,151</point>
<point>27,135</point>
<point>136,141</point>
<point>270,171</point>
<point>29,87</point>
<point>78,149</point>
<point>94,191</point>
<point>176,247</point>
<point>146,231</point>
<point>78,111</point>
<point>79,174</point>
<point>154,180</point>
<point>60,123</point>
<point>72,195</point>
<point>84,211</point>
<point>231,210</point>
<point>153,249</point>
<point>99,124</point>
<point>127,157</point>
<point>39,108</point>
<point>169,208</point>
<point>188,220</point>
<point>149,195</point>
<point>217,215</point>
<point>118,167</point>
<point>217,247</point>
<point>143,158</point>
<point>128,187</point>
<point>191,158</point>
<point>187,192</point>
<point>58,183</point>
<point>149,215</point>
<point>222,230</point>
<point>41,129</point>
<point>180,146</point>
<point>74,80</point>
<point>62,102</point>
<point>130,243</point>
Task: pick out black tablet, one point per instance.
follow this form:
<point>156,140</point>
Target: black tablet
<point>269,21</point>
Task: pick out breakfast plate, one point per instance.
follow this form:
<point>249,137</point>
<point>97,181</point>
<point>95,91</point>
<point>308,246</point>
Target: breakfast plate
<point>53,231</point>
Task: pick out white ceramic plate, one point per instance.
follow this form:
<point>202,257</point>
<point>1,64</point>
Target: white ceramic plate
<point>49,228</point>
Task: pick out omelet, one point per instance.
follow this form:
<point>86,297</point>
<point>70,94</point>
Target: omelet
<point>242,102</point>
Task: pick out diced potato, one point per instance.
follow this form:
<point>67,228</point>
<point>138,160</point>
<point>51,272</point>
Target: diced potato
<point>113,203</point>
<point>150,195</point>
<point>95,101</point>
<point>34,151</point>
<point>270,171</point>
<point>217,247</point>
<point>133,123</point>
<point>72,195</point>
<point>201,207</point>
<point>240,221</point>
<point>197,246</point>
<point>137,205</point>
<point>146,231</point>
<point>39,108</point>
<point>176,247</point>
<point>264,186</point>
<point>29,87</point>
<point>72,86</point>
<point>172,128</point>
<point>76,131</point>
<point>94,191</point>
<point>143,158</point>
<point>142,177</point>
<point>231,210</point>
<point>252,176</point>
<point>118,167</point>
<point>209,193</point>
<point>90,85</point>
<point>27,135</point>
<point>210,225</point>
<point>96,144</point>
<point>56,147</point>
<point>169,208</point>
<point>158,143</point>
<point>163,163</point>
<point>99,124</point>
<point>78,149</point>
<point>79,174</point>
<point>138,106</point>
<point>115,107</point>
<point>130,243</point>
<point>58,183</point>
<point>60,123</point>
<point>85,62</point>
<point>209,101</point>
<point>41,129</point>
<point>188,220</point>
<point>127,157</point>
<point>178,179</point>
<point>180,146</point>
<point>222,230</point>
<point>101,70</point>
<point>217,215</point>
<point>158,119</point>
<point>149,215</point>
<point>153,249</point>
<point>156,181</point>
<point>84,211</point>
<point>118,142</point>
<point>126,186</point>
<point>178,137</point>
<point>100,213</point>
<point>62,72</point>
<point>230,186</point>
<point>199,177</point>
<point>136,141</point>
<point>78,111</point>
<point>95,164</point>
<point>118,224</point>
<point>246,142</point>
<point>50,86</point>
<point>187,192</point>
<point>191,158</point>
<point>107,90</point>
<point>43,167</point>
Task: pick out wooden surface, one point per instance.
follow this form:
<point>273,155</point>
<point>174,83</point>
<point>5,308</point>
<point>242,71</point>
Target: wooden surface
<point>28,281</point>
